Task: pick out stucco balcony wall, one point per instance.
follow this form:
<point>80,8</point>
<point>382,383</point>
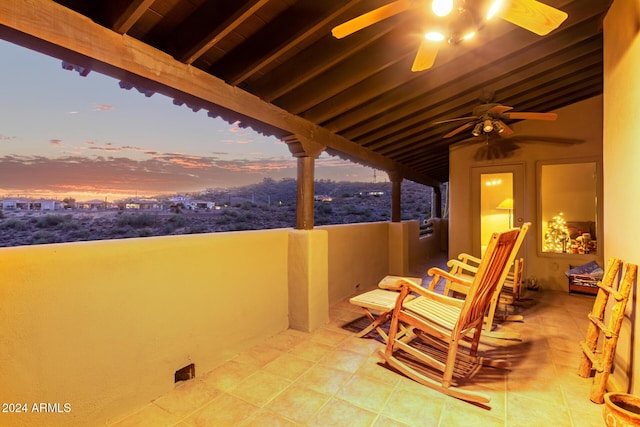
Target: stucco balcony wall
<point>104,325</point>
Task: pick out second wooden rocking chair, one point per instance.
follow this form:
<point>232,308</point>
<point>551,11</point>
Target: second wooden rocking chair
<point>435,356</point>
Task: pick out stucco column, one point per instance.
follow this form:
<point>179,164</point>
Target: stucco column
<point>308,279</point>
<point>306,151</point>
<point>396,193</point>
<point>308,262</point>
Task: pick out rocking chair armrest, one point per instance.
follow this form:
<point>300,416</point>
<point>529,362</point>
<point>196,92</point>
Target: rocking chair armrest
<point>460,267</point>
<point>397,284</point>
<point>430,294</point>
<point>464,257</point>
<point>438,273</point>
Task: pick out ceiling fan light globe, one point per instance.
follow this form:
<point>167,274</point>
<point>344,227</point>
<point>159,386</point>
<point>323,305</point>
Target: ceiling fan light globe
<point>498,127</point>
<point>434,36</point>
<point>488,126</point>
<point>442,7</point>
<point>477,130</point>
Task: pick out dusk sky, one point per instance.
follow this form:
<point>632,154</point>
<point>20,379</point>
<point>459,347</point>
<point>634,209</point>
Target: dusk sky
<point>64,135</point>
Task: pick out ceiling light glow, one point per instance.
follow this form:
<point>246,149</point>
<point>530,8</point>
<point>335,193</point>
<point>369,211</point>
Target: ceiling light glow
<point>493,10</point>
<point>469,35</point>
<point>442,7</point>
<point>434,36</point>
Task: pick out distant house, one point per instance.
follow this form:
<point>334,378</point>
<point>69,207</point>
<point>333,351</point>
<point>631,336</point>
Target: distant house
<point>95,204</point>
<point>141,204</point>
<point>199,204</point>
<point>31,204</point>
<point>46,205</point>
<point>16,204</point>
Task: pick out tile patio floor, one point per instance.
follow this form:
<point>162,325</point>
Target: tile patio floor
<point>331,378</point>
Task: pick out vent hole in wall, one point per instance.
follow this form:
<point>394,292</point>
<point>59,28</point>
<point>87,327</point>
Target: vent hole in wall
<point>186,373</point>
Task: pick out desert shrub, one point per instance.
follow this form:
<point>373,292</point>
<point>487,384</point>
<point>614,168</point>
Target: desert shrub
<point>80,235</point>
<point>145,232</point>
<point>42,236</point>
<point>136,221</point>
<point>51,220</point>
<point>14,224</point>
<point>197,229</point>
<point>69,226</point>
<point>177,221</point>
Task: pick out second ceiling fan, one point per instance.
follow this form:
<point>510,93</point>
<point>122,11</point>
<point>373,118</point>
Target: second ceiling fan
<point>457,20</point>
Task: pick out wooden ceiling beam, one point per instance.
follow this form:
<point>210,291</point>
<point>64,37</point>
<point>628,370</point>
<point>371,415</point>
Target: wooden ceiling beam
<point>224,18</point>
<point>103,50</point>
<point>289,75</point>
<point>358,67</point>
<point>122,19</point>
<point>290,30</point>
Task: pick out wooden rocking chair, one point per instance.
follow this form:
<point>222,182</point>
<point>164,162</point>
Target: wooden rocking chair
<point>464,268</point>
<point>440,323</point>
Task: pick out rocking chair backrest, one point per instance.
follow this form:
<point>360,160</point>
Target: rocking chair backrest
<point>494,263</point>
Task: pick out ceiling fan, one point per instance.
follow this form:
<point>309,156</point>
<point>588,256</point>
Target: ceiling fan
<point>490,118</point>
<point>457,20</point>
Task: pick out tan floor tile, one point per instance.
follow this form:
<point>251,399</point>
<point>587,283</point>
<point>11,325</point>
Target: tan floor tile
<point>310,350</point>
<point>223,411</point>
<point>284,341</point>
<point>592,418</point>
<point>149,416</point>
<point>260,387</point>
<point>338,413</point>
<point>540,389</point>
<point>187,397</point>
<point>383,421</point>
<point>298,403</point>
<point>264,418</point>
<point>465,415</point>
<point>258,355</point>
<point>496,409</point>
<point>344,360</point>
<point>365,346</point>
<point>374,368</point>
<point>525,412</point>
<point>324,379</point>
<point>365,392</point>
<point>288,366</point>
<point>414,404</point>
<point>328,337</point>
<point>228,375</point>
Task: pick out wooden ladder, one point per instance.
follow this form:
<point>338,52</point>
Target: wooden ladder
<point>602,360</point>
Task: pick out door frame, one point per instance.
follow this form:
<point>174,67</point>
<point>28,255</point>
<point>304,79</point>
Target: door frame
<point>518,171</point>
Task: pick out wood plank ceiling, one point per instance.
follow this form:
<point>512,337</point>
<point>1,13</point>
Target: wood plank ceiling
<point>358,95</point>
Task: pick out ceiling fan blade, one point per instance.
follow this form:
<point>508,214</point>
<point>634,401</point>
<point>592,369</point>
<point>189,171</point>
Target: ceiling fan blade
<point>370,18</point>
<point>458,130</point>
<point>534,16</point>
<point>507,131</point>
<point>426,56</point>
<point>530,116</point>
<point>457,119</point>
<point>499,109</point>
